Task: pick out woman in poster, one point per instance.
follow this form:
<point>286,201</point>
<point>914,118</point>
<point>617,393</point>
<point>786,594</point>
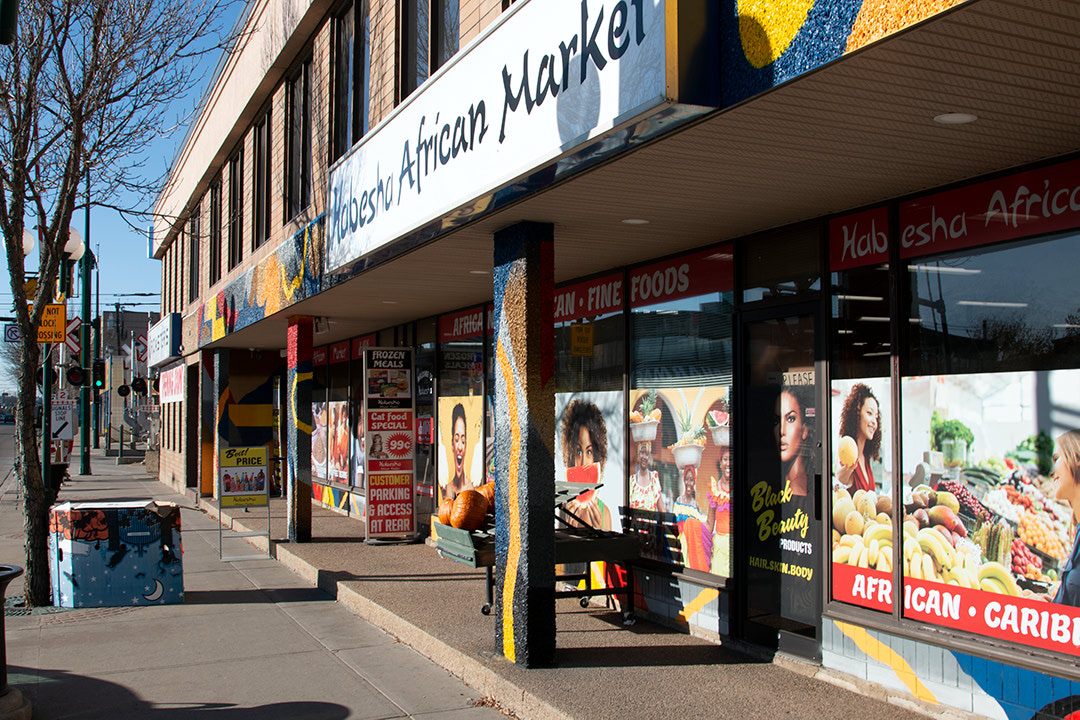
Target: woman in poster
<point>719,516</point>
<point>584,444</point>
<point>695,536</point>
<point>645,492</point>
<point>860,420</point>
<point>1066,474</point>
<point>793,429</point>
<point>459,440</point>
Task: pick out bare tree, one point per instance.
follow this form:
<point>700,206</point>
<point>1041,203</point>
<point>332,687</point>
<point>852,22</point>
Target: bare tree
<point>84,88</point>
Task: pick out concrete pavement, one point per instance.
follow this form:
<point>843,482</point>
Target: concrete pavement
<point>265,639</point>
<point>251,640</point>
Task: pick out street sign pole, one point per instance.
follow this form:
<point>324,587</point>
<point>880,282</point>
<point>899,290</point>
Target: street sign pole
<point>46,424</point>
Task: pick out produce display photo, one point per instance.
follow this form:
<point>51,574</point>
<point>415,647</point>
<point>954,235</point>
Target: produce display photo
<point>989,487</point>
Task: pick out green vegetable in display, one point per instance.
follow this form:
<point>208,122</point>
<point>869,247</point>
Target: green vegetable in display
<point>941,429</point>
<point>1038,449</point>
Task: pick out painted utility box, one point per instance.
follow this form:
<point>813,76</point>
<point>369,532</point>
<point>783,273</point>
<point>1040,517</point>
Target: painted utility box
<point>107,554</point>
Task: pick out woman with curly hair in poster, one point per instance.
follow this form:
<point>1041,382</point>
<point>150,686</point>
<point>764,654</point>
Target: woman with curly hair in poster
<point>860,420</point>
<point>584,445</point>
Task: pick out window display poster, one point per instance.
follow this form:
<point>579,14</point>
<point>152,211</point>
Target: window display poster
<point>318,441</point>
<point>389,436</point>
<point>991,463</point>
<point>337,432</point>
<point>356,440</point>
<point>242,477</point>
<point>862,505</point>
<point>461,444</point>
<point>589,438</point>
<point>680,460</point>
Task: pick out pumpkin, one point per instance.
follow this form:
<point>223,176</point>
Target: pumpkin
<point>488,491</point>
<point>445,507</point>
<point>469,510</point>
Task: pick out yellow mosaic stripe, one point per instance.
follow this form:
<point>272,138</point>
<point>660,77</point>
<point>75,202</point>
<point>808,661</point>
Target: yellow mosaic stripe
<point>513,521</point>
<point>706,596</point>
<point>886,655</point>
<point>298,377</point>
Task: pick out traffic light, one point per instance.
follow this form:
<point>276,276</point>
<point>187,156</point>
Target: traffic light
<point>138,385</point>
<point>76,376</point>
<point>123,391</point>
<point>9,17</point>
<point>98,381</point>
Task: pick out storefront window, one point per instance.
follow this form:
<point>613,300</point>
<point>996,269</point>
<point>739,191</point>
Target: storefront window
<point>991,391</point>
<point>461,441</point>
<point>680,380</point>
<point>861,503</point>
<point>319,381</point>
<point>990,378</point>
<point>356,409</point>
<point>337,413</point>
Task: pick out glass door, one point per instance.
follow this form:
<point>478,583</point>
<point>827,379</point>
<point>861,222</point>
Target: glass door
<point>780,482</point>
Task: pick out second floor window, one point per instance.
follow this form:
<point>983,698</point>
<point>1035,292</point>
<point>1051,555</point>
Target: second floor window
<point>236,209</point>
<point>260,205</point>
<point>431,35</point>
<point>352,76</point>
<point>193,256</point>
<point>215,232</point>
<point>299,141</point>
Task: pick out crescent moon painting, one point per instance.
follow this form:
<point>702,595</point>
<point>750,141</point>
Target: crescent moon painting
<point>156,594</point>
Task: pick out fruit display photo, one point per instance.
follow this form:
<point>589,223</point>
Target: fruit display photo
<point>990,504</point>
<point>862,503</point>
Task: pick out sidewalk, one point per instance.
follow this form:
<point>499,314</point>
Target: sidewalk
<point>251,640</point>
<point>256,640</point>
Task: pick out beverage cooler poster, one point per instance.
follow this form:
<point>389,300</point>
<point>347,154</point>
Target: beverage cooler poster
<point>680,464</point>
<point>389,438</point>
<point>989,505</point>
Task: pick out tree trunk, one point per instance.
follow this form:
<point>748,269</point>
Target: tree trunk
<point>38,591</point>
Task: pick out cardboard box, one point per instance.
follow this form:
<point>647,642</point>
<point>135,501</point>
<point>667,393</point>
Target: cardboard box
<point>108,554</point>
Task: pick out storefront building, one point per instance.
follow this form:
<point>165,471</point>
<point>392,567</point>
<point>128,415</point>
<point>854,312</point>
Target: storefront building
<point>791,285</point>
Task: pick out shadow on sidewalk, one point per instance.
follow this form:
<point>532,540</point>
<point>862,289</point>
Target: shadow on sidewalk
<point>56,693</point>
<point>254,596</point>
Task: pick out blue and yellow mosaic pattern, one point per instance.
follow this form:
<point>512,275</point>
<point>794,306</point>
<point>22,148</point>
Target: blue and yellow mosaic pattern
<point>765,43</point>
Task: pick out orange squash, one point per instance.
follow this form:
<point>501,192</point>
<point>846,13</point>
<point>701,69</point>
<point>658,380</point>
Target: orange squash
<point>445,508</point>
<point>469,510</point>
<point>488,491</point>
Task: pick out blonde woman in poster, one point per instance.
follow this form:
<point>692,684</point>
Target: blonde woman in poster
<point>1066,475</point>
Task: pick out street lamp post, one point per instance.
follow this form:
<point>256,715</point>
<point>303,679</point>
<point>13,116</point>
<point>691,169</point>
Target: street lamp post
<point>85,266</point>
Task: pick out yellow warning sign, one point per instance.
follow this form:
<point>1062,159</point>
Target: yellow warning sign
<point>53,328</point>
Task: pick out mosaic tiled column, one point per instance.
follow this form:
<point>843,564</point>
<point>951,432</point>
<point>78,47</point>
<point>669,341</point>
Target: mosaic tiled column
<point>525,438</point>
<point>298,428</point>
<point>221,403</point>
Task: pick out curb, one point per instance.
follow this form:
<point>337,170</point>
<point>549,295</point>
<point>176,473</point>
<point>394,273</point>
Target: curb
<point>507,694</point>
<point>472,672</point>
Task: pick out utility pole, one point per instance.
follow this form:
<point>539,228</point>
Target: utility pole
<point>84,350</point>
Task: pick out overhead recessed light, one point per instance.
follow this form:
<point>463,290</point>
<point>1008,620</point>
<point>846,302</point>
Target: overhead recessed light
<point>389,302</point>
<point>871,318</point>
<point>868,298</point>
<point>479,272</point>
<point>955,118</point>
<point>991,303</point>
<point>635,221</point>
<point>944,269</point>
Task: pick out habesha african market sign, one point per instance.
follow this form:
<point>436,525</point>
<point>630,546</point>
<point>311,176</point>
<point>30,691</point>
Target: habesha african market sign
<point>547,78</point>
